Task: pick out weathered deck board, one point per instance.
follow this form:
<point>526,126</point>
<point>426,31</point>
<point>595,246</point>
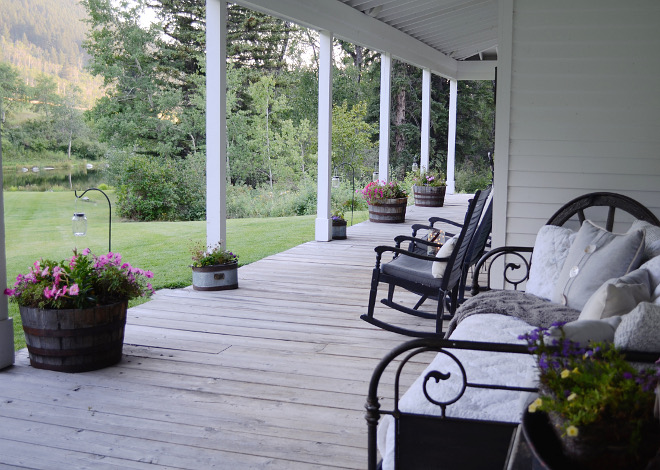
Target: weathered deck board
<point>271,375</point>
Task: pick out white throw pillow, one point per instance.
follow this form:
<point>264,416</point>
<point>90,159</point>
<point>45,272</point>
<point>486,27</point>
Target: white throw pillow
<point>584,332</point>
<point>653,268</point>
<point>614,298</point>
<point>595,256</point>
<point>438,268</point>
<point>640,329</point>
<point>550,251</point>
<point>651,236</point>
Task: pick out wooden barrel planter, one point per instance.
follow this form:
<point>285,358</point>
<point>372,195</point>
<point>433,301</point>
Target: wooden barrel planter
<point>216,277</point>
<point>429,196</point>
<point>389,211</point>
<point>74,340</point>
<point>339,230</point>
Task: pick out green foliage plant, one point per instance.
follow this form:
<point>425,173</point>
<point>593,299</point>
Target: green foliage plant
<point>212,256</point>
<point>591,388</point>
<point>82,281</point>
<point>428,178</point>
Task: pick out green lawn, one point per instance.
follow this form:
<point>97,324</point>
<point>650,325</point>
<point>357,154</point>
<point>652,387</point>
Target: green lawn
<point>38,225</point>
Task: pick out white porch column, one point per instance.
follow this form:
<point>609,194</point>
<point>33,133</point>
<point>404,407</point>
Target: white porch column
<point>323,227</point>
<point>451,137</point>
<point>426,119</point>
<point>6,323</point>
<point>384,136</point>
<point>216,127</point>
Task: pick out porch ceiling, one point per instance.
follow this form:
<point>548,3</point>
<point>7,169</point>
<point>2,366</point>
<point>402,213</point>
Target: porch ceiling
<point>460,29</point>
<point>453,38</point>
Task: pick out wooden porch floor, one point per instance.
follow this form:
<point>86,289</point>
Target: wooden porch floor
<point>272,375</point>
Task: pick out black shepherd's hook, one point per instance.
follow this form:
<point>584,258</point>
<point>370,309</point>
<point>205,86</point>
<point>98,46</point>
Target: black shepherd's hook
<point>75,193</point>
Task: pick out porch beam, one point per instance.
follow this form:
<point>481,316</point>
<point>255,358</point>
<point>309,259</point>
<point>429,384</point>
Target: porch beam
<point>451,137</point>
<point>426,120</point>
<point>216,127</point>
<point>384,133</point>
<point>347,23</point>
<point>323,226</point>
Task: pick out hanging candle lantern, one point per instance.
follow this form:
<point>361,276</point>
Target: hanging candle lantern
<point>79,224</point>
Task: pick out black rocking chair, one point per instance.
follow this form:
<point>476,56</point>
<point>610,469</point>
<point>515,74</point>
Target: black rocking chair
<point>412,271</point>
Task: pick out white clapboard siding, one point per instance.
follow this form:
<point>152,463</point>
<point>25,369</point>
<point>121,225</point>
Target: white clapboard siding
<point>584,109</point>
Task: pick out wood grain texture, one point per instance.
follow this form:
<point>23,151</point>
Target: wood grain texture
<point>271,375</point>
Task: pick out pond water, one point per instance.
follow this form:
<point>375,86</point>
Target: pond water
<point>47,177</point>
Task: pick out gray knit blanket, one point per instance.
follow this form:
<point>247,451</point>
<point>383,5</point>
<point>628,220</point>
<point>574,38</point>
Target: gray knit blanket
<point>533,310</point>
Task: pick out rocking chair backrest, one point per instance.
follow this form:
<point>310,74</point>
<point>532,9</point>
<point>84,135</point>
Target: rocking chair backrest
<point>454,268</point>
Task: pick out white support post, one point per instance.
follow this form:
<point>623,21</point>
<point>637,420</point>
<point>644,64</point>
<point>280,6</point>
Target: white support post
<point>216,122</point>
<point>6,323</point>
<point>323,227</point>
<point>384,137</point>
<point>451,137</point>
<point>426,120</point>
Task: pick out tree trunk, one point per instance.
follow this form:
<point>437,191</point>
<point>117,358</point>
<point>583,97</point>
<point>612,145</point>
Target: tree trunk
<point>399,119</point>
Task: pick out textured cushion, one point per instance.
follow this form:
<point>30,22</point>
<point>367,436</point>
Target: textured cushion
<point>550,251</point>
<point>640,329</point>
<point>585,331</point>
<point>438,269</point>
<point>651,236</point>
<point>595,256</point>
<point>618,296</point>
<point>412,269</point>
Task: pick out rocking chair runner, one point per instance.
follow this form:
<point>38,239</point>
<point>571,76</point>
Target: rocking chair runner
<point>412,271</point>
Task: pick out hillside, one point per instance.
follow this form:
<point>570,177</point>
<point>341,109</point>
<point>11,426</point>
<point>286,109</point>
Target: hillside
<point>46,36</point>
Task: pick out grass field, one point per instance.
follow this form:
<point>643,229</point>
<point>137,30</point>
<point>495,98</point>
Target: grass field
<point>38,225</point>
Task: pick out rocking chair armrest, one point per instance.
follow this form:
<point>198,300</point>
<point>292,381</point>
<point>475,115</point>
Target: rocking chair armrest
<point>417,227</point>
<point>488,258</point>
<point>433,220</point>
<point>402,238</point>
<point>400,251</point>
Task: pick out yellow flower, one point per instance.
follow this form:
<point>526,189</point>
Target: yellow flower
<point>576,371</point>
<point>571,397</point>
<point>572,431</point>
<point>565,373</point>
<point>534,405</point>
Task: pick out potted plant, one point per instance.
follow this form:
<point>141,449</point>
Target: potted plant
<point>429,188</point>
<point>338,225</point>
<point>74,311</point>
<point>386,201</point>
<point>599,406</point>
<point>214,268</point>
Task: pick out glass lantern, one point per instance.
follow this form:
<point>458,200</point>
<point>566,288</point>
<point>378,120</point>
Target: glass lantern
<point>79,224</point>
<point>336,181</point>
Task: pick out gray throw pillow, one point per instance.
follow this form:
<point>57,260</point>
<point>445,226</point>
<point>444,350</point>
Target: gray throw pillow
<point>596,256</point>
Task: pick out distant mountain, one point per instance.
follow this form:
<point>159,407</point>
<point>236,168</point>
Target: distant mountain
<point>46,36</point>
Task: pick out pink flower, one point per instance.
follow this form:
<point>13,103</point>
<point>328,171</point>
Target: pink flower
<point>74,290</point>
<point>10,292</point>
<point>86,251</point>
<point>148,275</point>
<point>50,293</point>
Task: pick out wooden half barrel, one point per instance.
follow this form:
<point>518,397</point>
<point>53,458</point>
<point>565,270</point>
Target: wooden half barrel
<point>429,196</point>
<point>389,211</point>
<point>75,340</point>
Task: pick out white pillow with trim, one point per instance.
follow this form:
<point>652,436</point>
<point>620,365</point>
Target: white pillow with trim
<point>550,251</point>
<point>438,267</point>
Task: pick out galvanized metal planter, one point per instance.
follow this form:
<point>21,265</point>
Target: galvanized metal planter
<point>216,277</point>
<point>74,340</point>
<point>429,196</point>
<point>338,229</point>
<point>389,211</point>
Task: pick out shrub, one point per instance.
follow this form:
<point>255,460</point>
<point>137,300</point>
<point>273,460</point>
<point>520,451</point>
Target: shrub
<point>470,178</point>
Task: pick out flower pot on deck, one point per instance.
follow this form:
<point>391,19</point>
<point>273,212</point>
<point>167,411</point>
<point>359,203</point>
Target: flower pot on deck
<point>215,277</point>
<point>74,340</point>
<point>338,229</point>
<point>388,211</point>
<point>429,196</point>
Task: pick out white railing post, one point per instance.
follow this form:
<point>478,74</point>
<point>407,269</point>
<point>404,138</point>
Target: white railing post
<point>323,227</point>
<point>451,137</point>
<point>384,136</point>
<point>426,120</point>
<point>216,122</point>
